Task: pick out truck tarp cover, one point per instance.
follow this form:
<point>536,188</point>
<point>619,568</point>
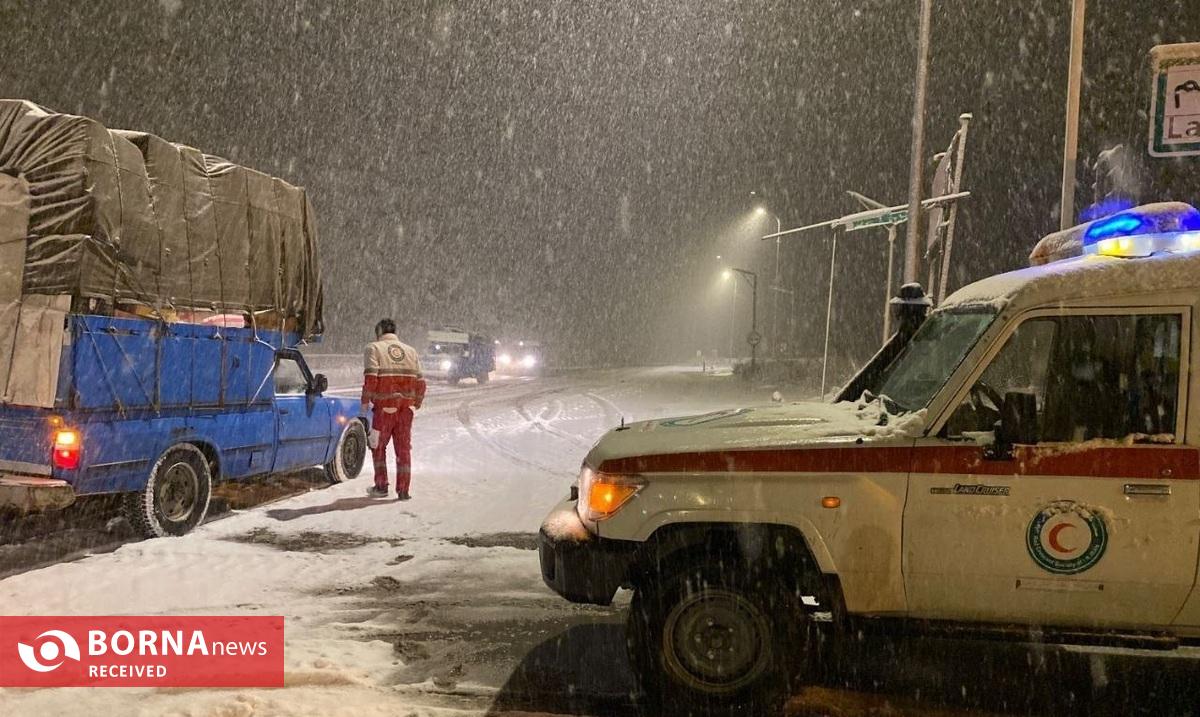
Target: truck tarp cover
<point>133,219</point>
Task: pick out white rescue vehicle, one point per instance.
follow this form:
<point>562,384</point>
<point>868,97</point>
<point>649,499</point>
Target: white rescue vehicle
<point>1028,459</point>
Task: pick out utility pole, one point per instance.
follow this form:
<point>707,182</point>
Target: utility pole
<point>828,316</point>
<point>887,292</point>
<point>752,277</point>
<point>775,291</point>
<point>917,161</point>
<point>1071,141</point>
<point>732,319</point>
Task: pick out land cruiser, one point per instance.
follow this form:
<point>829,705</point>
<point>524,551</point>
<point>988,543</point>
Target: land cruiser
<point>1026,459</point>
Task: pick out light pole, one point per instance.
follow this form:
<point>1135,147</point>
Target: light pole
<point>916,174</point>
<point>754,337</point>
<point>1071,141</point>
<point>777,286</point>
<point>726,275</point>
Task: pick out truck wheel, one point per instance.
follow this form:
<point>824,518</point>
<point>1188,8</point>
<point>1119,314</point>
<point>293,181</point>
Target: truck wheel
<point>714,640</point>
<point>350,455</point>
<point>482,377</point>
<point>452,380</point>
<point>175,498</point>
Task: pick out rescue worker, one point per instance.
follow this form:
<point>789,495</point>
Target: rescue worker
<point>393,388</point>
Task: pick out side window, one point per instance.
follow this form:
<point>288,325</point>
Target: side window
<point>289,378</point>
<point>1021,366</point>
<point>1113,377</point>
<point>1093,377</point>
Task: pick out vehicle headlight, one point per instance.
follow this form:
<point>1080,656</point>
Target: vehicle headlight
<point>601,495</point>
<point>529,361</point>
<point>504,359</point>
<point>447,364</point>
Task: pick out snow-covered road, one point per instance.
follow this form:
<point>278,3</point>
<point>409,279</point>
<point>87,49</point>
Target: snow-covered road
<point>436,606</point>
<point>426,607</point>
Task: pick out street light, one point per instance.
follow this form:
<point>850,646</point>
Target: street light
<point>762,211</point>
<point>753,338</point>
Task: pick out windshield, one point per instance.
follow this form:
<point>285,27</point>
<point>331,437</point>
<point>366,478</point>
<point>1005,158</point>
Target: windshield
<point>925,365</point>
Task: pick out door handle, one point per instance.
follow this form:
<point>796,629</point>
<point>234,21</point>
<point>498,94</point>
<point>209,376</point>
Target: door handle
<point>284,411</point>
<point>1136,489</point>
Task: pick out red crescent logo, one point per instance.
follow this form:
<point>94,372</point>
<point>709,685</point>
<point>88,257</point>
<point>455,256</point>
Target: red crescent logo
<point>1052,537</point>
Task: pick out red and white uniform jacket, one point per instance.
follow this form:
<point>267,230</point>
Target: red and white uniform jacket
<point>392,375</point>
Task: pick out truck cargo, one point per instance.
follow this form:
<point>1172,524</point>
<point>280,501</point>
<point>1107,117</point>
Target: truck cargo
<point>151,301</point>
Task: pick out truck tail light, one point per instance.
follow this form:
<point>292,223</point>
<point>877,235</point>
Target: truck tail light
<point>67,448</point>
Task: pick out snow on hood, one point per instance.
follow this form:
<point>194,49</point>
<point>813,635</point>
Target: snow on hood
<point>802,424</point>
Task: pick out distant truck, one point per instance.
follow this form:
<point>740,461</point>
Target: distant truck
<point>452,354</point>
<point>1026,467</point>
<point>151,301</point>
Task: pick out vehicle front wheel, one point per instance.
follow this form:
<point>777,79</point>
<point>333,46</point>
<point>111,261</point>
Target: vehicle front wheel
<point>350,455</point>
<point>176,495</point>
<point>715,640</point>
<point>482,377</point>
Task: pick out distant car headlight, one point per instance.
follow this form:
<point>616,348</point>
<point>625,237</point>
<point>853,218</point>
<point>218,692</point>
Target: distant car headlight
<point>446,364</point>
<point>529,361</point>
<point>504,359</point>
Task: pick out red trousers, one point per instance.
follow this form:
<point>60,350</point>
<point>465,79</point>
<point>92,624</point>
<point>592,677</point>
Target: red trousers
<point>396,428</point>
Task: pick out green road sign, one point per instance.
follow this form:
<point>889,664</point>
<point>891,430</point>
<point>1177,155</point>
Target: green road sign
<point>1175,106</point>
<point>883,219</point>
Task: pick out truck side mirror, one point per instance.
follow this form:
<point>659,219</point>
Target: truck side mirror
<point>320,384</point>
<point>1018,424</point>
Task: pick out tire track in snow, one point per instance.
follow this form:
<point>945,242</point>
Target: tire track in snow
<point>540,422</point>
<point>468,422</point>
<point>612,413</point>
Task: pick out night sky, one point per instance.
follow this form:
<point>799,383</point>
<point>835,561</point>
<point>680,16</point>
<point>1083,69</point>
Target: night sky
<point>571,170</point>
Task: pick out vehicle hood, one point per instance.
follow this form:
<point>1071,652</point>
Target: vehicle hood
<point>775,427</point>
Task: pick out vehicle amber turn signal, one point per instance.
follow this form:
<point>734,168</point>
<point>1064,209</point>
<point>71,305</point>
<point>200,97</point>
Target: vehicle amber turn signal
<point>66,449</point>
<point>831,501</point>
<point>607,496</point>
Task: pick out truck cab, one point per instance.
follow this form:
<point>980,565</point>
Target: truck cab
<point>1026,460</point>
<point>453,354</point>
<point>158,412</point>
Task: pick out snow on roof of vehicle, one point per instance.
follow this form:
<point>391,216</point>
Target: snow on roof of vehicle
<point>1153,248</point>
<point>1150,248</point>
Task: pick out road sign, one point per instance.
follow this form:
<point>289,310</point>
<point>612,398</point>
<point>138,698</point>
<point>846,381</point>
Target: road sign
<point>1175,104</point>
<point>754,338</point>
<point>875,218</point>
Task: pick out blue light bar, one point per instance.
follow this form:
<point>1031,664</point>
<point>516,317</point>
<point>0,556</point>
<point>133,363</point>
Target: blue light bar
<point>1118,225</point>
<point>1134,223</point>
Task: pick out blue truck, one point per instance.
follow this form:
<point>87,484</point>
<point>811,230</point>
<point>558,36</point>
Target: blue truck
<point>152,302</point>
<point>158,412</point>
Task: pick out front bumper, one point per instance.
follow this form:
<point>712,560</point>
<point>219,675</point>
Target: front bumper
<point>578,565</point>
<point>29,494</point>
